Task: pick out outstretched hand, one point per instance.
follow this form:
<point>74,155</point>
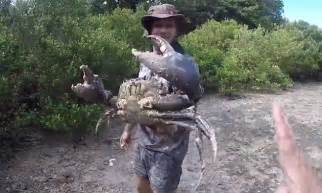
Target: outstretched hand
<point>299,175</point>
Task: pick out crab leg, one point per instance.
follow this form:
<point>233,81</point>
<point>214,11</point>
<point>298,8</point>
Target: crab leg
<point>209,133</point>
<point>181,124</point>
<point>179,118</point>
<point>199,145</point>
<point>174,115</point>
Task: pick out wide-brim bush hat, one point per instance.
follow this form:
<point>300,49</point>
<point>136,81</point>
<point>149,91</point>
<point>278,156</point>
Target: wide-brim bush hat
<point>164,11</point>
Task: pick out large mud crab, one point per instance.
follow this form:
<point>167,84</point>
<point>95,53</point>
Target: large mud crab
<point>148,102</point>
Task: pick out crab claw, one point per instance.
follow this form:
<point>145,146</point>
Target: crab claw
<point>92,89</point>
<point>88,75</point>
<point>135,52</point>
<point>85,91</point>
<point>161,45</point>
<point>178,69</point>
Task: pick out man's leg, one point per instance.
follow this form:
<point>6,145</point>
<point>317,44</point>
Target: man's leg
<point>143,185</point>
<point>141,168</point>
<point>164,174</point>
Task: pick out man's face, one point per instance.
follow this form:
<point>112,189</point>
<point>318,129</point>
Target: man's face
<point>165,28</point>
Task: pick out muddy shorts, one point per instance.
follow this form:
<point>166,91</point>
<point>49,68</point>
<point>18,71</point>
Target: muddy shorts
<point>162,171</point>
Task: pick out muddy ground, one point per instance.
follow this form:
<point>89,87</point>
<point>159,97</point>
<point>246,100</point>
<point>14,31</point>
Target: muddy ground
<point>246,161</point>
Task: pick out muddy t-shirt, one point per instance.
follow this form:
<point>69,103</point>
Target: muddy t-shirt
<point>175,140</point>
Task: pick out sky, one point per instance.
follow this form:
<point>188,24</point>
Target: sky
<point>307,10</point>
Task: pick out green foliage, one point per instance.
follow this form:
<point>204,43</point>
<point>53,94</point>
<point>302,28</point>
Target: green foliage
<point>308,30</point>
<point>311,35</point>
<point>4,7</point>
<point>213,33</point>
<point>62,116</point>
<point>65,116</point>
<point>296,54</point>
<point>233,58</point>
<point>107,6</point>
<point>7,48</point>
<point>8,53</point>
<point>251,65</point>
<point>106,45</point>
<point>126,26</point>
<point>7,102</point>
<point>44,45</point>
<point>102,6</point>
<point>249,12</point>
<point>107,56</point>
<point>208,45</point>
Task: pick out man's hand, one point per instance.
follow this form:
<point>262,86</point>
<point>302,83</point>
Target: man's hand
<point>299,175</point>
<point>125,139</point>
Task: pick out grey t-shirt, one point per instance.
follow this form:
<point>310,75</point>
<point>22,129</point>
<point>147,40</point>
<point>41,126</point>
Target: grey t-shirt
<point>174,144</point>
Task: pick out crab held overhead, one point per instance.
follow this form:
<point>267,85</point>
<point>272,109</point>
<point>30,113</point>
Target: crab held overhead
<point>180,70</point>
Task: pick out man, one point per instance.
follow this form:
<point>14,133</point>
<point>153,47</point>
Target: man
<point>160,151</point>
